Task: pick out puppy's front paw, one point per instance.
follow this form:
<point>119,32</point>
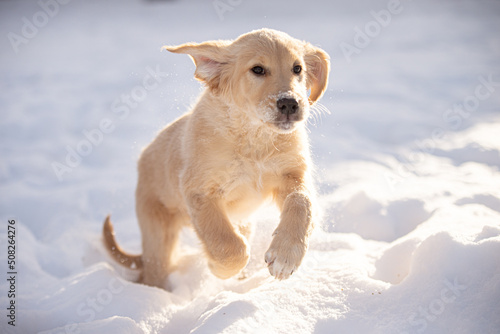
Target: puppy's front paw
<point>284,256</point>
<point>229,258</point>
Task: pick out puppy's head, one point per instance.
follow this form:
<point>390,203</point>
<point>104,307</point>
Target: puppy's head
<point>265,73</point>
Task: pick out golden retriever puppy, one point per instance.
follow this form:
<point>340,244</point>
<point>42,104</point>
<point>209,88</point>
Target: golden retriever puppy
<point>243,142</point>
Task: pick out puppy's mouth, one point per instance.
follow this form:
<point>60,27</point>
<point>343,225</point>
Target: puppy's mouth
<point>287,123</point>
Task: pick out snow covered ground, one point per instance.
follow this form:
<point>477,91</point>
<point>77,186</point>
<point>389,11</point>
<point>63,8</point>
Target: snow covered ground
<point>407,167</point>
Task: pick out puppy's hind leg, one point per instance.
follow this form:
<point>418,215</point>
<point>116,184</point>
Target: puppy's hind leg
<point>160,234</point>
<point>247,230</point>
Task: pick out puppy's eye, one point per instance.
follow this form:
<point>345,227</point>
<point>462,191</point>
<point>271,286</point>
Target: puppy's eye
<point>259,70</point>
<point>297,69</point>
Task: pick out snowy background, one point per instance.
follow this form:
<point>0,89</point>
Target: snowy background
<point>407,159</point>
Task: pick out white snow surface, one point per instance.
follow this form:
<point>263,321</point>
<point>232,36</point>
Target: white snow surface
<point>407,167</point>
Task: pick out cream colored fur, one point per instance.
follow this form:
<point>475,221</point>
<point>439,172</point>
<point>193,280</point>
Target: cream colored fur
<point>216,164</point>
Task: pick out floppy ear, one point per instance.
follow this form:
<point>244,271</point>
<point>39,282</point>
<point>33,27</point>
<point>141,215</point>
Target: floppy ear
<point>318,67</point>
<point>209,58</point>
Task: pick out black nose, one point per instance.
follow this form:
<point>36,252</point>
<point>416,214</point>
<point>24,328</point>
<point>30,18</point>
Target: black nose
<point>287,106</point>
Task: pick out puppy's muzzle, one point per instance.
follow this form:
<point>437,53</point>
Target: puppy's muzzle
<point>289,113</point>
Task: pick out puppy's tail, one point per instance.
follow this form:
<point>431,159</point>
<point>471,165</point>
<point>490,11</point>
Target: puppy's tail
<point>127,260</point>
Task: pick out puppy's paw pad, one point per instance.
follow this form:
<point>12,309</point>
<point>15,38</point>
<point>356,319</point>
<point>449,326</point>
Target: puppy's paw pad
<point>281,267</point>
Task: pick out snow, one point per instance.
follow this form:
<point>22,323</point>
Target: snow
<point>407,157</point>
